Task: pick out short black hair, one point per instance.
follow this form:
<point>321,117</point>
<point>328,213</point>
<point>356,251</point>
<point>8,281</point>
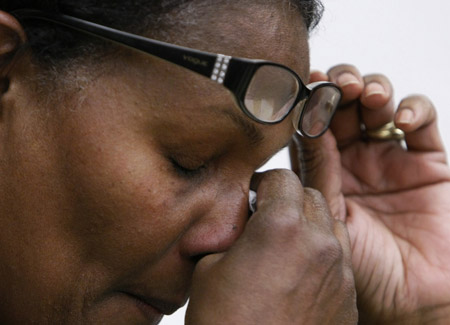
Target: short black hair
<point>52,45</point>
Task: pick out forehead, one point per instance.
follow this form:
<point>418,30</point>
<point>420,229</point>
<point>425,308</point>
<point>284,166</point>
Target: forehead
<point>269,30</point>
<point>178,99</point>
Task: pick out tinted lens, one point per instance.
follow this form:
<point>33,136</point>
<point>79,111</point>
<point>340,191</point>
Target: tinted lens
<point>319,110</point>
<point>271,93</point>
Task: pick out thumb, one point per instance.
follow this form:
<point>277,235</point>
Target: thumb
<point>318,164</point>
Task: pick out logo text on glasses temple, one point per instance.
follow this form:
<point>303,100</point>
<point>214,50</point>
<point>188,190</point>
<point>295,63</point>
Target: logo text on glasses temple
<point>220,68</point>
<point>195,61</point>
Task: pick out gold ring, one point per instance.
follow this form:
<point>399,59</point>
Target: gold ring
<point>385,133</point>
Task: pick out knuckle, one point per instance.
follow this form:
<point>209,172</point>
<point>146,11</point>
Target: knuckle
<point>317,206</point>
<point>315,195</point>
<point>329,251</point>
<point>286,224</point>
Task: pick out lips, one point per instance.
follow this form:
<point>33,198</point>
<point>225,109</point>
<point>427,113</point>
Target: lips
<point>159,306</point>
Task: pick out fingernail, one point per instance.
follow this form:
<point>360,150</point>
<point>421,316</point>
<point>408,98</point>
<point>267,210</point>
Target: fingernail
<point>374,88</point>
<point>346,79</point>
<point>405,116</point>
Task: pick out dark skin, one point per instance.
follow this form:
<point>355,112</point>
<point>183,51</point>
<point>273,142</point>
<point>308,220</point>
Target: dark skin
<point>92,198</point>
<point>393,200</point>
<point>285,230</point>
<point>121,199</point>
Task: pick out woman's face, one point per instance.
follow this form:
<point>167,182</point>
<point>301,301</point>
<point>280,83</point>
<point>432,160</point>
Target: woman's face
<point>108,201</point>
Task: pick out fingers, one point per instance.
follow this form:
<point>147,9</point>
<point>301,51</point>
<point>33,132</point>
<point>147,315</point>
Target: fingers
<point>289,214</point>
<point>341,233</point>
<point>289,257</point>
<point>293,228</point>
<point>349,79</point>
<point>367,100</point>
<point>317,163</point>
<point>377,101</point>
<point>417,117</point>
<point>317,75</point>
<point>310,242</point>
<point>284,206</point>
<point>275,185</point>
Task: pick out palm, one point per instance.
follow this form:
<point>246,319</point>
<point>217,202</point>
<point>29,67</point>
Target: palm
<point>397,214</point>
<point>393,200</point>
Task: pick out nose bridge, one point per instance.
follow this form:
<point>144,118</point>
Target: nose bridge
<point>234,198</point>
<point>222,219</point>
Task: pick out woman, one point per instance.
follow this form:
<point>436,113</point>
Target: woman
<point>125,177</point>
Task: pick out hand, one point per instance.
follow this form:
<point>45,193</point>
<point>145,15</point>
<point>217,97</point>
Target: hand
<point>291,265</point>
<point>394,200</point>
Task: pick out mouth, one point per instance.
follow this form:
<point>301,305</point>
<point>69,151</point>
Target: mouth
<point>151,306</point>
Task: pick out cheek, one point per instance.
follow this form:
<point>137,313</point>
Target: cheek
<point>127,205</point>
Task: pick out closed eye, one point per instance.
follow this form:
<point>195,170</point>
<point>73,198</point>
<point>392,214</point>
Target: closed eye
<point>187,172</point>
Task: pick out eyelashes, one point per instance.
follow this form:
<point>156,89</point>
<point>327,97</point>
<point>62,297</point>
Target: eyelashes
<point>185,171</point>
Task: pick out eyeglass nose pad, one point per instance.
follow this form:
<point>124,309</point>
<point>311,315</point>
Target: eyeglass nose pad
<point>297,114</point>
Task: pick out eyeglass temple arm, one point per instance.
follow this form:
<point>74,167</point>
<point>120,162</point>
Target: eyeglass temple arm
<point>210,65</point>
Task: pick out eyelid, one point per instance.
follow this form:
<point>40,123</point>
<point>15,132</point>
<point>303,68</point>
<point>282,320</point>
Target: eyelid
<point>187,172</point>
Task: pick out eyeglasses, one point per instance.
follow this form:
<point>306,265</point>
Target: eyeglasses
<point>265,91</point>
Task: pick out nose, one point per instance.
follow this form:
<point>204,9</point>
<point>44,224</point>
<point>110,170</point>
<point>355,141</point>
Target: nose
<point>220,221</point>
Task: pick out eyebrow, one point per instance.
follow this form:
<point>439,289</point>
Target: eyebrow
<point>248,128</point>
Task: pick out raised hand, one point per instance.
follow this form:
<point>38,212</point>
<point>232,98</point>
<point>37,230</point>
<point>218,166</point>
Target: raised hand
<point>291,265</point>
<point>393,197</point>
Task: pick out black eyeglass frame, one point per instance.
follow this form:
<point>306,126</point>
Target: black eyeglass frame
<point>232,72</point>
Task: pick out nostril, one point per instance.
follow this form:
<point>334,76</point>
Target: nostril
<point>4,85</point>
<point>217,225</point>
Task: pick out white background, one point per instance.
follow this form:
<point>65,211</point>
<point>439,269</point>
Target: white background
<point>407,40</point>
